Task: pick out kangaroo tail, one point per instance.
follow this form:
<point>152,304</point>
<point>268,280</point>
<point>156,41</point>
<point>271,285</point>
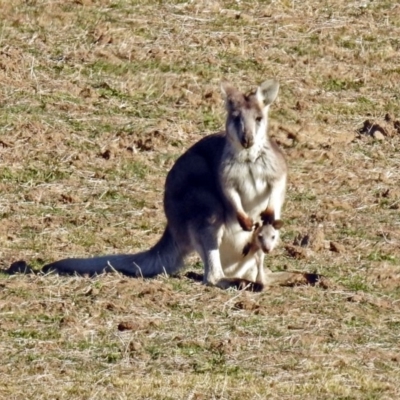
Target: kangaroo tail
<point>164,257</point>
<point>19,267</point>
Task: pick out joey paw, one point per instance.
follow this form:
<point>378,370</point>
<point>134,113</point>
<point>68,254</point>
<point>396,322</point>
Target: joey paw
<point>267,217</point>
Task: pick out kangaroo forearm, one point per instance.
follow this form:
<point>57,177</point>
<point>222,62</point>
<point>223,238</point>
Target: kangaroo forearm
<point>233,197</point>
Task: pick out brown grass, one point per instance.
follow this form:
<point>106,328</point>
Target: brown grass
<point>98,98</point>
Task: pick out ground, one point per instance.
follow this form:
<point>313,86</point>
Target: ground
<point>98,98</point>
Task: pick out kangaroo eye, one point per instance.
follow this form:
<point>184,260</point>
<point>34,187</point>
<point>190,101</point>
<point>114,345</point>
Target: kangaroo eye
<point>273,237</point>
<point>258,119</point>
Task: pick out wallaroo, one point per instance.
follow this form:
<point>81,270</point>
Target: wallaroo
<point>263,241</point>
<point>215,193</point>
<point>245,265</point>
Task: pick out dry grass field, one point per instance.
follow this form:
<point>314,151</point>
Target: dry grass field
<point>97,100</point>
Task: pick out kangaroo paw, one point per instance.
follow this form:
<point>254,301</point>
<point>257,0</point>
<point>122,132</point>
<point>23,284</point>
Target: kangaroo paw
<point>267,217</point>
<point>245,222</point>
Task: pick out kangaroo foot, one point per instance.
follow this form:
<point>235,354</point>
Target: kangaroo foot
<point>240,284</point>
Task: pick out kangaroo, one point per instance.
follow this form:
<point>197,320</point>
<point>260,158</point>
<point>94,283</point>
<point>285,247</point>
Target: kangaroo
<point>249,271</point>
<point>264,240</point>
<point>245,260</point>
<point>225,179</point>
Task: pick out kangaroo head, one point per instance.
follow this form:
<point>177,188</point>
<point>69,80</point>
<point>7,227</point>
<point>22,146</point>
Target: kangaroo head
<point>247,117</point>
<point>268,235</point>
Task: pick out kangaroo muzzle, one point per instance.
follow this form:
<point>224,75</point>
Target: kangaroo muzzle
<point>247,141</point>
<point>264,245</point>
<point>266,249</point>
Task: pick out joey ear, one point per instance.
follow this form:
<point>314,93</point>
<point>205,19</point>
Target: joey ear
<point>277,224</point>
<point>267,92</point>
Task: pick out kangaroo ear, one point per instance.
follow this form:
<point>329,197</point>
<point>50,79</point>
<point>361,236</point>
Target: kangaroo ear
<point>227,89</point>
<point>267,92</point>
<point>277,224</point>
<point>229,93</point>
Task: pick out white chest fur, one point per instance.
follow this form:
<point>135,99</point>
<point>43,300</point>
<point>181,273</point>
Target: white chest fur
<point>251,173</point>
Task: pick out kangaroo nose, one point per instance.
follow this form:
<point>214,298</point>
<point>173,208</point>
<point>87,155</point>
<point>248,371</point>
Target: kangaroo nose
<point>265,248</point>
<point>247,141</point>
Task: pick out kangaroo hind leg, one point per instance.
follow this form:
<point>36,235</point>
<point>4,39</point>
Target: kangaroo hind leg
<point>206,242</point>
